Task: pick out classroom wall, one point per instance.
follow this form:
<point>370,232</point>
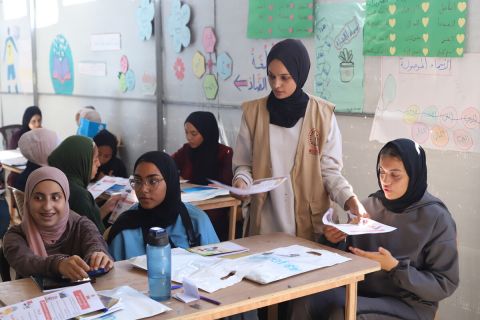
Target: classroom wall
<point>453,176</point>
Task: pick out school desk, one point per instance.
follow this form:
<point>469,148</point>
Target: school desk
<point>241,297</point>
<point>7,169</point>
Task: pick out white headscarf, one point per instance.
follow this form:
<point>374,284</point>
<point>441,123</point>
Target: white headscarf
<point>37,144</point>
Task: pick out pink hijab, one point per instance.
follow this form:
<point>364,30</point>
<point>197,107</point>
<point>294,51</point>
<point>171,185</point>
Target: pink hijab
<point>37,144</point>
<point>37,237</point>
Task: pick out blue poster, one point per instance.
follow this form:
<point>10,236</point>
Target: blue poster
<point>61,66</point>
<point>339,54</point>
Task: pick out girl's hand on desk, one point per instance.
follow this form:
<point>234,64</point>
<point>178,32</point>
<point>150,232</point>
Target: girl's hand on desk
<point>100,260</point>
<point>333,235</point>
<point>73,268</point>
<point>383,256</point>
<point>239,183</point>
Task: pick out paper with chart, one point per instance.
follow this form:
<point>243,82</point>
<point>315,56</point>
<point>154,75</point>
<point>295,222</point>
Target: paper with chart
<point>258,186</point>
<point>63,304</point>
<point>362,226</point>
<point>433,101</point>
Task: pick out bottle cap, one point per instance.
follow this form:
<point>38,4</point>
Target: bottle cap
<point>157,236</point>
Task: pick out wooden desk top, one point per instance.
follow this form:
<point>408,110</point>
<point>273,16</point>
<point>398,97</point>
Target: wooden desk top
<point>244,296</point>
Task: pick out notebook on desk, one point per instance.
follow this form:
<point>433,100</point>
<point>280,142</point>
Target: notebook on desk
<point>50,284</point>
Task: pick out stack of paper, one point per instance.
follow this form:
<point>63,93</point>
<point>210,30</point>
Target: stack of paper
<point>218,249</point>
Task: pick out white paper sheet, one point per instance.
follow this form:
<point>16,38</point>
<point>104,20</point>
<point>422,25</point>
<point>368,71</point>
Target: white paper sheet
<point>63,304</point>
<point>258,186</point>
<point>136,305</point>
<point>200,193</point>
<point>364,226</point>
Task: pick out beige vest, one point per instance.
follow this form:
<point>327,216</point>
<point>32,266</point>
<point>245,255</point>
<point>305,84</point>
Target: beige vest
<point>311,198</point>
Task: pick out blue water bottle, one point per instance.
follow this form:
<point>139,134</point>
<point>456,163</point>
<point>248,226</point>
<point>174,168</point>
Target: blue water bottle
<point>159,259</point>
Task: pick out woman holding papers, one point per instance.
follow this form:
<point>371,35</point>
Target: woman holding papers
<point>77,157</point>
<point>157,186</point>
<point>52,240</point>
<point>203,158</point>
<point>291,133</point>
<point>419,259</point>
<point>35,145</point>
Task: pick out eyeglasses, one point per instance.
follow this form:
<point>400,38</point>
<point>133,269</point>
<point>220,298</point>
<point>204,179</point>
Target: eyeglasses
<point>151,182</point>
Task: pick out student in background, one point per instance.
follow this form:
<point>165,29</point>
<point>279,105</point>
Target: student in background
<point>419,259</point>
<point>202,158</point>
<point>35,145</point>
<point>52,240</point>
<point>110,164</point>
<point>156,184</point>
<point>77,157</point>
<point>32,119</point>
<point>290,133</point>
<point>89,113</point>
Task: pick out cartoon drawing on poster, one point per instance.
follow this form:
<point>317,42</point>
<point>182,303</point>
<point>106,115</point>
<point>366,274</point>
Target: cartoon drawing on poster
<point>10,52</point>
<point>430,100</point>
<point>177,25</point>
<point>61,66</point>
<point>145,15</point>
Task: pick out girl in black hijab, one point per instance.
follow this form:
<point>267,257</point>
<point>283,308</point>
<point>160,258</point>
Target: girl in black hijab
<point>418,260</point>
<point>414,161</point>
<point>202,157</point>
<point>110,164</point>
<point>157,186</point>
<point>32,119</point>
<point>286,112</point>
<point>293,134</point>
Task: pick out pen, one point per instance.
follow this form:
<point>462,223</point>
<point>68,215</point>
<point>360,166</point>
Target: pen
<point>175,287</point>
<point>210,300</point>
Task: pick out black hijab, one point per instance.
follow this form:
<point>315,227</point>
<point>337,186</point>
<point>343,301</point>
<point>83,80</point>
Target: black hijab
<point>163,215</point>
<point>293,54</point>
<point>27,116</point>
<point>414,161</point>
<point>204,158</point>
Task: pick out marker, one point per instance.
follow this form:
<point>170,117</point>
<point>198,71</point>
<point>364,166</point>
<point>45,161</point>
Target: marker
<point>210,300</point>
<point>176,286</point>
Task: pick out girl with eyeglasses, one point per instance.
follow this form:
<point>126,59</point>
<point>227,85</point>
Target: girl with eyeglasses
<point>157,187</point>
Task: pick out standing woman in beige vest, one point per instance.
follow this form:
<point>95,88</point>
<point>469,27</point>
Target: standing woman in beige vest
<point>290,133</point>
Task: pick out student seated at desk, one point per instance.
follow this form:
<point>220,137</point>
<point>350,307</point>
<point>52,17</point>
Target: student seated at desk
<point>202,158</point>
<point>52,240</point>
<point>419,259</point>
<point>77,157</point>
<point>35,145</point>
<point>110,164</point>
<point>89,113</point>
<point>156,184</point>
<point>32,119</point>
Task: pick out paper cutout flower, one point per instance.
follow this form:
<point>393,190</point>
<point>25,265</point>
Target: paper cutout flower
<point>145,14</point>
<point>177,25</point>
<point>179,68</point>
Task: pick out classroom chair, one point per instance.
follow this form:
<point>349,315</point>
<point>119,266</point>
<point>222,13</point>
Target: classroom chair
<point>7,134</point>
<point>18,197</point>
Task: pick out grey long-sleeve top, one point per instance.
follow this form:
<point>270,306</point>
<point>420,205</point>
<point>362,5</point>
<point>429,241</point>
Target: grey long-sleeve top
<point>81,238</point>
<point>425,245</point>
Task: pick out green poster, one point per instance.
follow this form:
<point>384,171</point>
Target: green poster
<point>280,19</point>
<point>338,54</point>
<point>434,28</point>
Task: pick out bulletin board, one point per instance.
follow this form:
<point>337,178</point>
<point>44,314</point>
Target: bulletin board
<point>102,52</point>
<point>248,80</point>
